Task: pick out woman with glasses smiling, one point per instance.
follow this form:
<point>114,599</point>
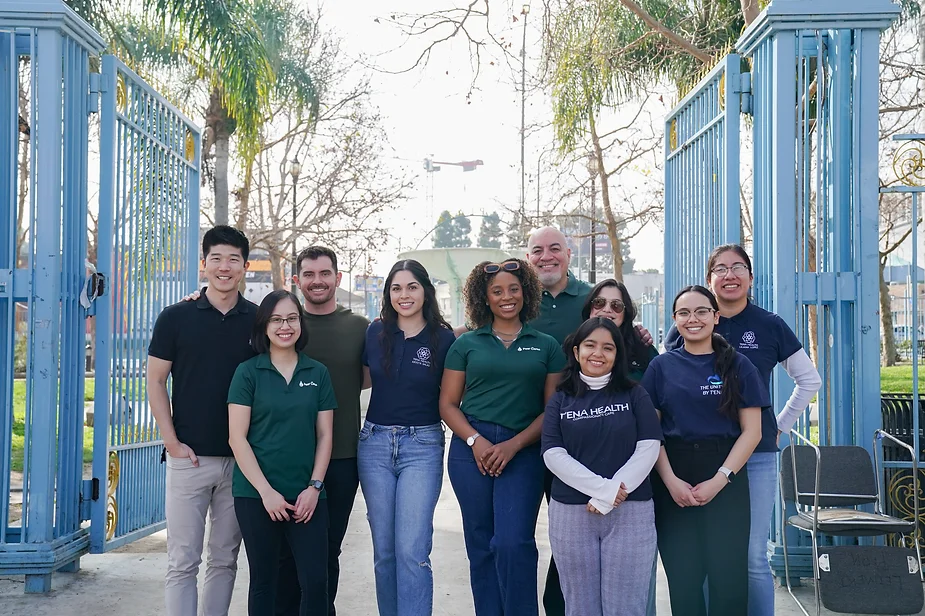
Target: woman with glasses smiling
<point>610,299</point>
<point>766,340</point>
<point>280,421</point>
<point>508,371</point>
<point>709,398</point>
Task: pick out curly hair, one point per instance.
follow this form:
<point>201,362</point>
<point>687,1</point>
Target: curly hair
<point>475,293</point>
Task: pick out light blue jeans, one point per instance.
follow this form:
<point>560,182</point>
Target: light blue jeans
<point>401,473</point>
<point>762,489</point>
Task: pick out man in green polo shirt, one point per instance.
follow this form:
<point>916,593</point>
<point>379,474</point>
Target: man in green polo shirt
<point>563,294</point>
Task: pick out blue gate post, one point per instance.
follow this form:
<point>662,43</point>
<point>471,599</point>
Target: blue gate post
<point>58,45</point>
<point>815,88</point>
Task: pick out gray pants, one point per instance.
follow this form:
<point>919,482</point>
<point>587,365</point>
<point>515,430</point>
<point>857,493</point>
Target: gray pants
<point>604,561</point>
<point>192,493</point>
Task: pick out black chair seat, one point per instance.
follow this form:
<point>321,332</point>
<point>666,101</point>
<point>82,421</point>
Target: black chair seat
<point>852,522</point>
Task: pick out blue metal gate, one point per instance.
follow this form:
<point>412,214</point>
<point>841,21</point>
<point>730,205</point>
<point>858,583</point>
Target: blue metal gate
<point>702,173</point>
<point>149,231</point>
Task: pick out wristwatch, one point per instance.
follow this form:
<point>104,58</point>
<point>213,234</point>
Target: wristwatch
<point>318,485</point>
<point>471,440</point>
<point>728,473</point>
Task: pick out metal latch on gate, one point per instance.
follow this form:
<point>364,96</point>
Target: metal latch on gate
<point>94,287</point>
<point>93,102</point>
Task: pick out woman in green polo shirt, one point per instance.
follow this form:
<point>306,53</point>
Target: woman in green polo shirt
<point>280,421</point>
<point>508,370</point>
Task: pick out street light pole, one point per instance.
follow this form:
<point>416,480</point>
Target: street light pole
<point>593,169</point>
<point>294,170</point>
<point>525,10</point>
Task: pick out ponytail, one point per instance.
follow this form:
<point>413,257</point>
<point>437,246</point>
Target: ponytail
<point>730,399</point>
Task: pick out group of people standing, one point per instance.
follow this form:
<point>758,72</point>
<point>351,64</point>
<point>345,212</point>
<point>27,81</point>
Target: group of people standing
<point>549,389</point>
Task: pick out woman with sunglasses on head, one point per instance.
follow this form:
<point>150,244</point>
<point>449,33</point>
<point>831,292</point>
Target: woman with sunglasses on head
<point>710,399</point>
<point>401,445</point>
<point>508,370</point>
<point>766,340</point>
<point>601,437</point>
<point>280,421</point>
<point>610,299</point>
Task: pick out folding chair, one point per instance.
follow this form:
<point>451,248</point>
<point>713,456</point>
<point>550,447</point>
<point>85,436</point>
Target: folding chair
<point>827,485</point>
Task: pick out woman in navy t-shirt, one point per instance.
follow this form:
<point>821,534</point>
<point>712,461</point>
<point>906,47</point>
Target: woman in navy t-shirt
<point>710,399</point>
<point>766,340</point>
<point>601,437</point>
<point>400,451</point>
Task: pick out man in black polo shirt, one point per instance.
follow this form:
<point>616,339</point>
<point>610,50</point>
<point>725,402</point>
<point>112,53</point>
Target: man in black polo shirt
<point>200,344</point>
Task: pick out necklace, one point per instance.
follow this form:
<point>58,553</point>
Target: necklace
<point>499,334</point>
<point>419,330</point>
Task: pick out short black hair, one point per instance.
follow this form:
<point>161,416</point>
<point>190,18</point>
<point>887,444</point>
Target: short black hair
<point>475,293</point>
<point>223,235</point>
<point>315,252</point>
<point>259,340</point>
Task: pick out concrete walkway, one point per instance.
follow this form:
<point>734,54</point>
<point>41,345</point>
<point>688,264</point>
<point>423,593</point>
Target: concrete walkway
<point>130,580</point>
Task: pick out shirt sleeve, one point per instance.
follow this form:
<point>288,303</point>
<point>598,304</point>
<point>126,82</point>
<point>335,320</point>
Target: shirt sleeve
<point>650,382</point>
<point>552,429</point>
<point>648,426</point>
<point>241,390</point>
<point>163,343</point>
<point>752,391</point>
<point>456,356</point>
<point>673,340</point>
<point>556,358</point>
<point>576,475</point>
<point>327,401</point>
<point>807,382</point>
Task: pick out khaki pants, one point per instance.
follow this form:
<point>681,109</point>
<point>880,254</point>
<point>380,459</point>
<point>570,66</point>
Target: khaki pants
<point>191,493</point>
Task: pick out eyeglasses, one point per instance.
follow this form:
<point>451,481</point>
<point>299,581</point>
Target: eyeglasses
<point>507,266</point>
<point>738,269</point>
<point>701,313</point>
<point>616,305</point>
<point>278,321</point>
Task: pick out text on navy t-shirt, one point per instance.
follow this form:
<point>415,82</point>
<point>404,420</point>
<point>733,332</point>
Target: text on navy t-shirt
<point>409,395</point>
<point>600,430</point>
<point>687,391</point>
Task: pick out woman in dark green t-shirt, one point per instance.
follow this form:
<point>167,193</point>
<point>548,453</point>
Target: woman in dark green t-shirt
<point>280,421</point>
<point>610,299</point>
<point>508,371</point>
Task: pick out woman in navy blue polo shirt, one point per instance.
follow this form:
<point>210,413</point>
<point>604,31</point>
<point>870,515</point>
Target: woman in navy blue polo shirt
<point>400,452</point>
<point>710,399</point>
<point>610,299</point>
<point>508,370</point>
<point>601,437</point>
<point>766,340</point>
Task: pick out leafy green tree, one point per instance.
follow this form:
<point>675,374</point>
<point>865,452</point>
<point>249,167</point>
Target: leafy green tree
<point>490,232</point>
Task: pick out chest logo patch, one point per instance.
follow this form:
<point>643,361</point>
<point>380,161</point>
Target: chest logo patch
<point>422,357</point>
<point>714,386</point>
<point>523,348</point>
<point>309,384</point>
<point>749,341</point>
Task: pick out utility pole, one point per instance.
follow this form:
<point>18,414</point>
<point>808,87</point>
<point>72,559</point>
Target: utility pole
<point>523,114</point>
<point>294,170</point>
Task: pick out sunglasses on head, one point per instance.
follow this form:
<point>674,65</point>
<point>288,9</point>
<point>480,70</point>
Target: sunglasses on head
<point>507,266</point>
<point>616,305</point>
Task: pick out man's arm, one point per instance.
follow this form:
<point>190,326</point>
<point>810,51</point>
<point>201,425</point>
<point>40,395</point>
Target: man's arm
<point>157,372</point>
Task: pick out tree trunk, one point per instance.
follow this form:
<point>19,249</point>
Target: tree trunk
<point>750,11</point>
<point>610,222</point>
<point>222,127</point>
<point>888,355</point>
<point>24,141</point>
<point>276,265</point>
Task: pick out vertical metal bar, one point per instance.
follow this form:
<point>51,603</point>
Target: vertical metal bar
<point>915,328</point>
<point>730,149</point>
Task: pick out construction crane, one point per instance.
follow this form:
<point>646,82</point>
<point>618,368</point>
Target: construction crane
<point>431,166</point>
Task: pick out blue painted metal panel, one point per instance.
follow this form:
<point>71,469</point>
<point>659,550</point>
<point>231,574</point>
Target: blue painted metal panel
<point>149,228</point>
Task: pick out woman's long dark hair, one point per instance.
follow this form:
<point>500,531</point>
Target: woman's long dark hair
<point>636,349</point>
<point>430,310</point>
<point>724,359</point>
<point>571,382</point>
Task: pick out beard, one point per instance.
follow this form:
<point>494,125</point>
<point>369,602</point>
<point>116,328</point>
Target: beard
<point>549,279</point>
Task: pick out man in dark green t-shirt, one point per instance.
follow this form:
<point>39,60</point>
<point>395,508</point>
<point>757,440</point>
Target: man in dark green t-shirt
<point>336,337</point>
<point>563,294</point>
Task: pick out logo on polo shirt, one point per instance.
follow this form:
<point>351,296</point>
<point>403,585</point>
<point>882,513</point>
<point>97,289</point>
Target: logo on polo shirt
<point>523,348</point>
<point>714,386</point>
<point>309,384</point>
<point>749,341</point>
<point>422,357</point>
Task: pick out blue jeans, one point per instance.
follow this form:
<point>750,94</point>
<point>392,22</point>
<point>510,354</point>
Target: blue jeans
<point>762,489</point>
<point>401,473</point>
<point>499,524</point>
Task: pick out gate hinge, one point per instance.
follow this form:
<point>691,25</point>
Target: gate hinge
<point>93,102</point>
<point>89,492</point>
<point>746,89</point>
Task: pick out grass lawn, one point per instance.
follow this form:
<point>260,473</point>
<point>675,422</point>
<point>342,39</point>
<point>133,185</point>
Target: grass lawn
<point>898,379</point>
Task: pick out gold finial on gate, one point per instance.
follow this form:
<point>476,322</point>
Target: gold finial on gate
<point>909,163</point>
<point>673,136</point>
<point>722,91</point>
<point>112,506</point>
<point>190,145</point>
<point>112,473</point>
<point>121,93</point>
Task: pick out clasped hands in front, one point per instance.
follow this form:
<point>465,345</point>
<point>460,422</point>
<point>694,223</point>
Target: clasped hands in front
<point>685,495</point>
<point>493,458</point>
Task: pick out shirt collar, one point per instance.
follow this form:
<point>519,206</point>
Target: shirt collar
<point>394,330</point>
<point>264,363</point>
<point>573,286</point>
<point>528,330</point>
<point>203,303</point>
